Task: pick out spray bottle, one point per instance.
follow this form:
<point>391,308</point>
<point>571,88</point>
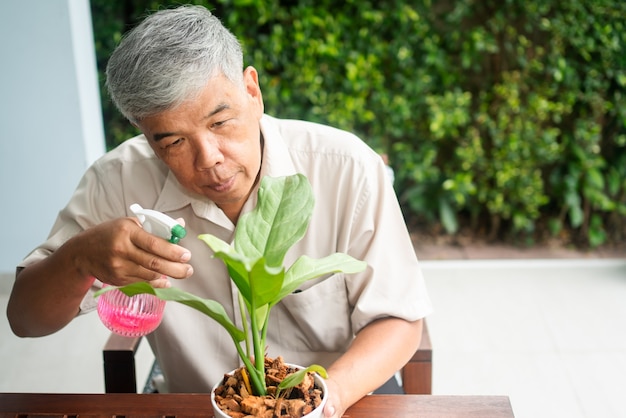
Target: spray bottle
<point>134,316</point>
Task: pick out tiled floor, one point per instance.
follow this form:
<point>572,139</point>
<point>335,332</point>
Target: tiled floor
<point>551,334</point>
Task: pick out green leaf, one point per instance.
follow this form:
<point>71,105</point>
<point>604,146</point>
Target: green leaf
<point>238,265</point>
<point>265,282</point>
<point>597,234</point>
<point>208,307</point>
<point>261,313</point>
<point>447,216</point>
<point>576,215</point>
<point>306,268</point>
<point>296,378</point>
<point>279,220</point>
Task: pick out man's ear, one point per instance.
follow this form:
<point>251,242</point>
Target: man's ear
<point>251,83</point>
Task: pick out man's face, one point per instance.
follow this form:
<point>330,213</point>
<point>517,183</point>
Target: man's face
<point>212,143</point>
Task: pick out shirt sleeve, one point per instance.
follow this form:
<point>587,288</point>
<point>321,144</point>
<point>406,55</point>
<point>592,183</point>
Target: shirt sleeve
<point>393,284</point>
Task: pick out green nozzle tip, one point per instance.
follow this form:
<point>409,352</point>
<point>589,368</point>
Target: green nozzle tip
<point>178,233</point>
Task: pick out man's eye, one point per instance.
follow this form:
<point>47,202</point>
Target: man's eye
<point>174,143</point>
<point>219,123</point>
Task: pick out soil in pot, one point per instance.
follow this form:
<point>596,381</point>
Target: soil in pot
<point>233,397</point>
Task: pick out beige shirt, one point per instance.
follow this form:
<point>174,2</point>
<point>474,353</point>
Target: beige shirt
<point>356,212</point>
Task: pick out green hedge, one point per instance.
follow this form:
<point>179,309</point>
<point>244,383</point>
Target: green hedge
<point>504,116</point>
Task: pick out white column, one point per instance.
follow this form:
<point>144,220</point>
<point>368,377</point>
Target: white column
<point>50,116</point>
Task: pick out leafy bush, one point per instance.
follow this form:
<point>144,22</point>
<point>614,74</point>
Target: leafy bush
<point>504,114</point>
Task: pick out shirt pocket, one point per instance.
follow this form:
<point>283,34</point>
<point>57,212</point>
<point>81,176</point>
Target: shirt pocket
<point>315,319</point>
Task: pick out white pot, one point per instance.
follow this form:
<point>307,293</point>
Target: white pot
<point>316,413</point>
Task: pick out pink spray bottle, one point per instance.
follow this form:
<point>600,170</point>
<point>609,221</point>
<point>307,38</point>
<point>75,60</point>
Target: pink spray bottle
<point>134,316</point>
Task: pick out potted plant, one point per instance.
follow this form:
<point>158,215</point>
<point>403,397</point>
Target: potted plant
<point>255,265</point>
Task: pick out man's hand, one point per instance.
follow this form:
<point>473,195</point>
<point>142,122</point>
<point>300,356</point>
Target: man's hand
<point>47,295</point>
<point>120,252</point>
<point>334,407</point>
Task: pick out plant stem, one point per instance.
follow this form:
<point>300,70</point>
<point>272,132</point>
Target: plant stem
<point>264,329</point>
<point>257,344</point>
<point>257,383</point>
<point>246,329</point>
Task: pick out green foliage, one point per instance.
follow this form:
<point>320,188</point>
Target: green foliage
<point>510,114</point>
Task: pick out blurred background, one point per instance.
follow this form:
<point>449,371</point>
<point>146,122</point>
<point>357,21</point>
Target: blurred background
<point>503,120</point>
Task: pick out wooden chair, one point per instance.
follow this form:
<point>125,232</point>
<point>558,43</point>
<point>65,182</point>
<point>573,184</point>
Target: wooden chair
<point>417,374</point>
<point>120,376</point>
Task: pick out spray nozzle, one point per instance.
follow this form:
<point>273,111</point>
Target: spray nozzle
<point>159,224</point>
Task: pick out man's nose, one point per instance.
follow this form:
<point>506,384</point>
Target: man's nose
<point>208,153</point>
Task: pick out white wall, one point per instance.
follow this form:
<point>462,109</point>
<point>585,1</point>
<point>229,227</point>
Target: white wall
<point>50,116</point>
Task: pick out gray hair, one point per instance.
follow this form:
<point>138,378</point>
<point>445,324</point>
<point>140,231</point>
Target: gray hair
<point>169,58</point>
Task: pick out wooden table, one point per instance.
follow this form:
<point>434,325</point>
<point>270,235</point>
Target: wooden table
<point>25,405</point>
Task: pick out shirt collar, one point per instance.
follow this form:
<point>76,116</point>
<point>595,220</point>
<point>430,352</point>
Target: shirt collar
<point>173,196</point>
<point>277,161</point>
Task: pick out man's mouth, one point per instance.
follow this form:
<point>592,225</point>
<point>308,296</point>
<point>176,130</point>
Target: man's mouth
<point>224,185</point>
